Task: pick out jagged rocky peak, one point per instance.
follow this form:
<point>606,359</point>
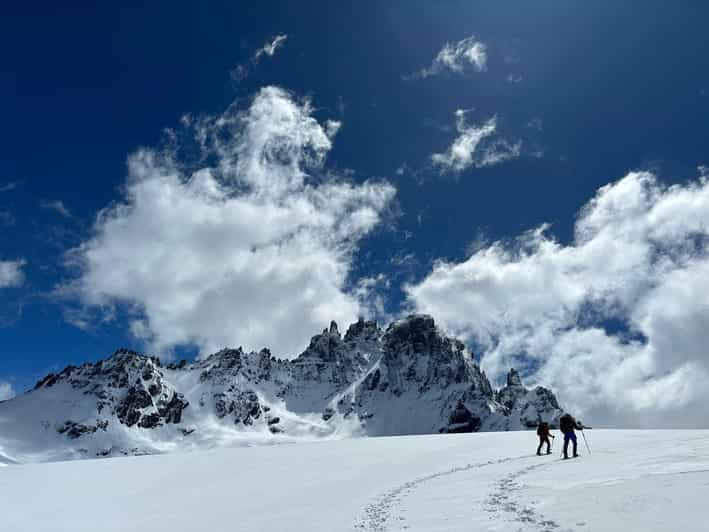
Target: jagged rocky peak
<point>116,369</point>
<point>363,330</point>
<point>417,357</point>
<point>513,378</point>
<point>418,334</point>
<point>325,346</point>
<point>529,406</point>
<point>127,384</point>
<point>331,358</point>
<point>223,366</point>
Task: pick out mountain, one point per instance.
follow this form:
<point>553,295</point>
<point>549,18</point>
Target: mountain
<point>407,379</point>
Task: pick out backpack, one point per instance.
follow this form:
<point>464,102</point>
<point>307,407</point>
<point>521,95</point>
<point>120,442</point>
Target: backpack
<point>566,423</point>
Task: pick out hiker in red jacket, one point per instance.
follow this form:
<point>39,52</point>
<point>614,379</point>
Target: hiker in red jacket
<point>543,433</point>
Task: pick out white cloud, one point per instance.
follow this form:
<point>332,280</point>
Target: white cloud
<point>475,146</point>
<point>242,70</point>
<point>58,207</point>
<point>455,57</point>
<point>615,321</point>
<point>270,48</point>
<point>251,250</point>
<point>11,274</point>
<point>6,391</point>
<point>371,292</point>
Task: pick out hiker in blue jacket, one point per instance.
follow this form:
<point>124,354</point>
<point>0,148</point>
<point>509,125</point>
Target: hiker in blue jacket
<point>567,424</point>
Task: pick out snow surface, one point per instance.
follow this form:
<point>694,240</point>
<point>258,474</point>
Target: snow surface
<point>634,480</point>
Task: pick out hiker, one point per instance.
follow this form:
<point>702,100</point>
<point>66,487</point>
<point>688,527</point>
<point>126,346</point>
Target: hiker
<point>567,424</point>
<point>543,433</point>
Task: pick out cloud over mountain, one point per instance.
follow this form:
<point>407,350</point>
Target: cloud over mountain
<point>616,320</point>
<point>251,245</point>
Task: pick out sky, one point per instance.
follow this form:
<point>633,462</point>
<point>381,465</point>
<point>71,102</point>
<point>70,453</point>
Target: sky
<point>177,179</point>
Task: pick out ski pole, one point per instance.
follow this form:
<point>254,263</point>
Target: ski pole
<point>586,442</point>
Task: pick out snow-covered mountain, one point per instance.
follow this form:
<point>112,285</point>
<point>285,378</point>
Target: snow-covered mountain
<point>409,379</point>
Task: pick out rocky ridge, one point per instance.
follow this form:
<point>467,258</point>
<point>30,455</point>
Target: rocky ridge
<point>407,379</point>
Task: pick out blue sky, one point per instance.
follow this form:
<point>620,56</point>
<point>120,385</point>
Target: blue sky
<point>582,94</point>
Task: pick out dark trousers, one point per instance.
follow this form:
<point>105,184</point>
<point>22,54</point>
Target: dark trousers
<point>542,440</point>
<point>569,436</point>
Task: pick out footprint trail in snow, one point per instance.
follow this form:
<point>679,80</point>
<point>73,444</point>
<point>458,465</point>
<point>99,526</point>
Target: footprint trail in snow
<point>377,515</point>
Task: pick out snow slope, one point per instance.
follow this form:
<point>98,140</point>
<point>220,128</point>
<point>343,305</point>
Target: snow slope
<point>634,480</point>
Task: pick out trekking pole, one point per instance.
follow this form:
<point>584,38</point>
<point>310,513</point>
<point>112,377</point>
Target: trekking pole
<point>586,442</point>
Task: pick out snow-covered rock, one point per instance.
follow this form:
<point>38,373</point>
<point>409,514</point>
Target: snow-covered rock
<point>408,379</point>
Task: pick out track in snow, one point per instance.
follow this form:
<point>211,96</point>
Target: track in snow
<point>502,500</point>
<point>377,514</point>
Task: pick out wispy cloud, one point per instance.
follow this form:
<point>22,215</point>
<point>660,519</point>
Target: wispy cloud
<point>11,274</point>
<point>58,207</point>
<point>456,57</point>
<point>7,187</point>
<point>514,78</point>
<point>269,49</point>
<point>475,146</point>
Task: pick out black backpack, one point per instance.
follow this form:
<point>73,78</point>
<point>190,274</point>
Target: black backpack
<point>543,429</point>
<point>566,423</point>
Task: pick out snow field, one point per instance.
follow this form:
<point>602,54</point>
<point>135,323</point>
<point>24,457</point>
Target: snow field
<point>634,480</point>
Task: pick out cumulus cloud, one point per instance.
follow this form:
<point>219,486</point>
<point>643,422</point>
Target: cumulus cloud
<point>475,146</point>
<point>11,274</point>
<point>252,246</point>
<point>6,391</point>
<point>616,321</point>
<point>269,49</point>
<point>456,57</point>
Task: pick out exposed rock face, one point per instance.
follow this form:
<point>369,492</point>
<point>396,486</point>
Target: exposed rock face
<point>127,385</point>
<point>76,430</point>
<point>529,406</point>
<point>331,359</point>
<point>408,379</point>
<point>513,378</point>
<point>243,406</point>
